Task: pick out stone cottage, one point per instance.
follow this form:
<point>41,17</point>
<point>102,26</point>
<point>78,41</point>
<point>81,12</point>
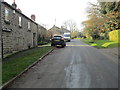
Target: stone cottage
<point>42,33</point>
<point>56,30</point>
<point>18,31</point>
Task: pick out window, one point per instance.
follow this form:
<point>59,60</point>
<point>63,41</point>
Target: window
<point>7,14</point>
<point>29,25</point>
<point>57,37</point>
<point>67,35</point>
<point>13,11</point>
<point>20,22</point>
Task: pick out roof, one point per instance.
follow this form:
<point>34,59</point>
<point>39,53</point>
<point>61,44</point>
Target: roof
<point>42,27</point>
<point>18,12</point>
<point>54,27</point>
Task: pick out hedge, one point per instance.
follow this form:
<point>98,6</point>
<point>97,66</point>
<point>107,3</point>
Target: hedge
<point>114,35</point>
<point>88,36</point>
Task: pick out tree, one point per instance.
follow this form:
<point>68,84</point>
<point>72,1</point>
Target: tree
<point>75,34</point>
<point>102,18</point>
<point>111,11</point>
<point>106,7</point>
<point>70,25</point>
<point>94,22</point>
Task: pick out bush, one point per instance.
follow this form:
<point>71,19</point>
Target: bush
<point>89,37</point>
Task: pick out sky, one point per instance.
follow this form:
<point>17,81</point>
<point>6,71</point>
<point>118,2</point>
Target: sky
<point>47,11</point>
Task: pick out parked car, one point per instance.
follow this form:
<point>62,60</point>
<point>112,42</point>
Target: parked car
<point>67,37</point>
<point>58,40</point>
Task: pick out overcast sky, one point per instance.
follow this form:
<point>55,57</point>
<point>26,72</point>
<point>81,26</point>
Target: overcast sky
<point>47,11</point>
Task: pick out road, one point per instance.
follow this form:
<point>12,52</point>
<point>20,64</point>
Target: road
<point>75,66</point>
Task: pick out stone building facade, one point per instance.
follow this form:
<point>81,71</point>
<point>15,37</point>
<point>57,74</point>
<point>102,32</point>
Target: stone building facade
<point>18,31</point>
<point>42,33</point>
<point>58,31</point>
<point>0,34</point>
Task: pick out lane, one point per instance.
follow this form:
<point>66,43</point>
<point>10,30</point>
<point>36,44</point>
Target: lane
<point>75,66</point>
<point>103,72</point>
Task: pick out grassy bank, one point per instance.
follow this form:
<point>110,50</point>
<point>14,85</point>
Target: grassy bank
<point>102,43</point>
<point>15,64</point>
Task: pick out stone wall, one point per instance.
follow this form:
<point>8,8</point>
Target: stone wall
<point>42,33</point>
<point>0,51</point>
<point>15,37</point>
<point>0,35</point>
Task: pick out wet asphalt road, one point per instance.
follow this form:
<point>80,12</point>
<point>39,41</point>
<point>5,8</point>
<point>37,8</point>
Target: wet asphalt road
<point>75,66</point>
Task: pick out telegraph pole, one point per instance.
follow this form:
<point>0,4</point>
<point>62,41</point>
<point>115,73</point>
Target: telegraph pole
<point>55,21</point>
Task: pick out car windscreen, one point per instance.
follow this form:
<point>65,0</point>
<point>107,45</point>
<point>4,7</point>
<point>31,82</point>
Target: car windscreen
<point>57,37</point>
<point>66,35</point>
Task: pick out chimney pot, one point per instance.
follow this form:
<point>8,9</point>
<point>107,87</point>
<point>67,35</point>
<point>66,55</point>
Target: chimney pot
<point>33,17</point>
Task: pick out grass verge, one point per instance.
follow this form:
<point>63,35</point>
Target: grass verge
<point>78,38</point>
<point>42,42</point>
<point>15,64</point>
<point>102,43</point>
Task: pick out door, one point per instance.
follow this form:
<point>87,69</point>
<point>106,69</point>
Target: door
<point>34,39</point>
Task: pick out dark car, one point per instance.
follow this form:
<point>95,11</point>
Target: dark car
<point>58,40</point>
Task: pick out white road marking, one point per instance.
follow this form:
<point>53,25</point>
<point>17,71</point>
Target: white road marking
<point>66,45</point>
<point>77,45</point>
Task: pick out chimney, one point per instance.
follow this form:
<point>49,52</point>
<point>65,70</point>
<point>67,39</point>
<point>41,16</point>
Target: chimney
<point>19,10</point>
<point>14,4</point>
<point>33,17</point>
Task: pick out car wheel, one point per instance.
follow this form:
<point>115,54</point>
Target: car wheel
<point>64,45</point>
<point>52,44</point>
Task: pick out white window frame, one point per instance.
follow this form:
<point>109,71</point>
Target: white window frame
<point>29,25</point>
<point>6,14</point>
<point>20,21</point>
<point>14,12</point>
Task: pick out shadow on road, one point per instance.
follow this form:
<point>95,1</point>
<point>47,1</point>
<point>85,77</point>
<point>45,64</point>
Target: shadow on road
<point>59,47</point>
